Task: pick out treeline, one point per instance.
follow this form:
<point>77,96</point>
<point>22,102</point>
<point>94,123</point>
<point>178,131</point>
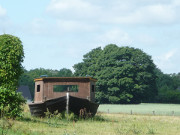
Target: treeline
<point>124,74</point>
<point>168,87</point>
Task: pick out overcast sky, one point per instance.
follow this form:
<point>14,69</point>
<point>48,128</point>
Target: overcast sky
<point>57,33</point>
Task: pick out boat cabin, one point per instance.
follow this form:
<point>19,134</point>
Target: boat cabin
<point>54,87</point>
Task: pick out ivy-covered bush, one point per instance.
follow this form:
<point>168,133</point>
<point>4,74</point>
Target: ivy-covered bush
<point>11,57</point>
<point>12,101</point>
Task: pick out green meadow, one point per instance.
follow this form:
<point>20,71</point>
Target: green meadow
<point>116,122</point>
<point>143,108</point>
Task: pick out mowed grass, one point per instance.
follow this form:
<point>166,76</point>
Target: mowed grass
<point>143,108</point>
<point>102,124</point>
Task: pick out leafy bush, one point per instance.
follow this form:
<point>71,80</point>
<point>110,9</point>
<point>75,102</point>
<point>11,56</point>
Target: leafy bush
<point>11,100</point>
<point>56,114</point>
<point>53,118</point>
<point>11,57</point>
<point>71,116</point>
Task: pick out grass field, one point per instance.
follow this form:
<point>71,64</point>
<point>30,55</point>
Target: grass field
<point>157,109</point>
<point>102,124</point>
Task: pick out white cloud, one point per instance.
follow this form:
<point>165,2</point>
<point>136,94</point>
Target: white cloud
<point>148,14</point>
<point>72,8</point>
<point>6,25</point>
<point>168,61</point>
<point>39,26</point>
<point>2,11</point>
<point>169,55</point>
<point>115,36</point>
<point>176,3</point>
<point>119,12</point>
<point>145,39</point>
<point>73,52</point>
<point>159,13</point>
<point>70,26</point>
<point>81,25</point>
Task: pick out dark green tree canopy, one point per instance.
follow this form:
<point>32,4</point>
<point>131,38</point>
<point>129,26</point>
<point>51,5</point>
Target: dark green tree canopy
<point>11,57</point>
<point>168,87</point>
<point>125,74</point>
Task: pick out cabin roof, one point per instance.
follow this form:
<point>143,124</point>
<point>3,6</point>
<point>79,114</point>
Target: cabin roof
<point>65,79</point>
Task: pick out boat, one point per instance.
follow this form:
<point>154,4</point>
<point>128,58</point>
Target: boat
<point>70,94</point>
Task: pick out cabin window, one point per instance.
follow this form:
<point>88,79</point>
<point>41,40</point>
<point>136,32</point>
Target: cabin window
<point>38,88</point>
<point>65,88</point>
<point>92,88</point>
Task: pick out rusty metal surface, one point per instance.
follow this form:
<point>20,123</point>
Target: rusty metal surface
<point>75,106</point>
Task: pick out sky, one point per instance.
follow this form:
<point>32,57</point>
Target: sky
<point>57,33</point>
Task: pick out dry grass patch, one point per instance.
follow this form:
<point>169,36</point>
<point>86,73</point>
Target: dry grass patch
<point>102,124</point>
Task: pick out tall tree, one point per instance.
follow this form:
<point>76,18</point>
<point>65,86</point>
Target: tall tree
<point>88,66</point>
<point>125,74</point>
<point>11,57</point>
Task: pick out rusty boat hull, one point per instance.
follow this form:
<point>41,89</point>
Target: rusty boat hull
<point>74,105</point>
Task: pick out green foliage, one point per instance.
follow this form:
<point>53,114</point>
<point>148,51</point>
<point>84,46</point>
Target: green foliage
<point>168,87</point>
<point>53,118</point>
<point>169,96</point>
<point>88,66</point>
<point>124,74</point>
<point>5,124</point>
<point>56,114</point>
<point>11,57</point>
<point>64,72</point>
<point>71,116</point>
<point>11,100</point>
